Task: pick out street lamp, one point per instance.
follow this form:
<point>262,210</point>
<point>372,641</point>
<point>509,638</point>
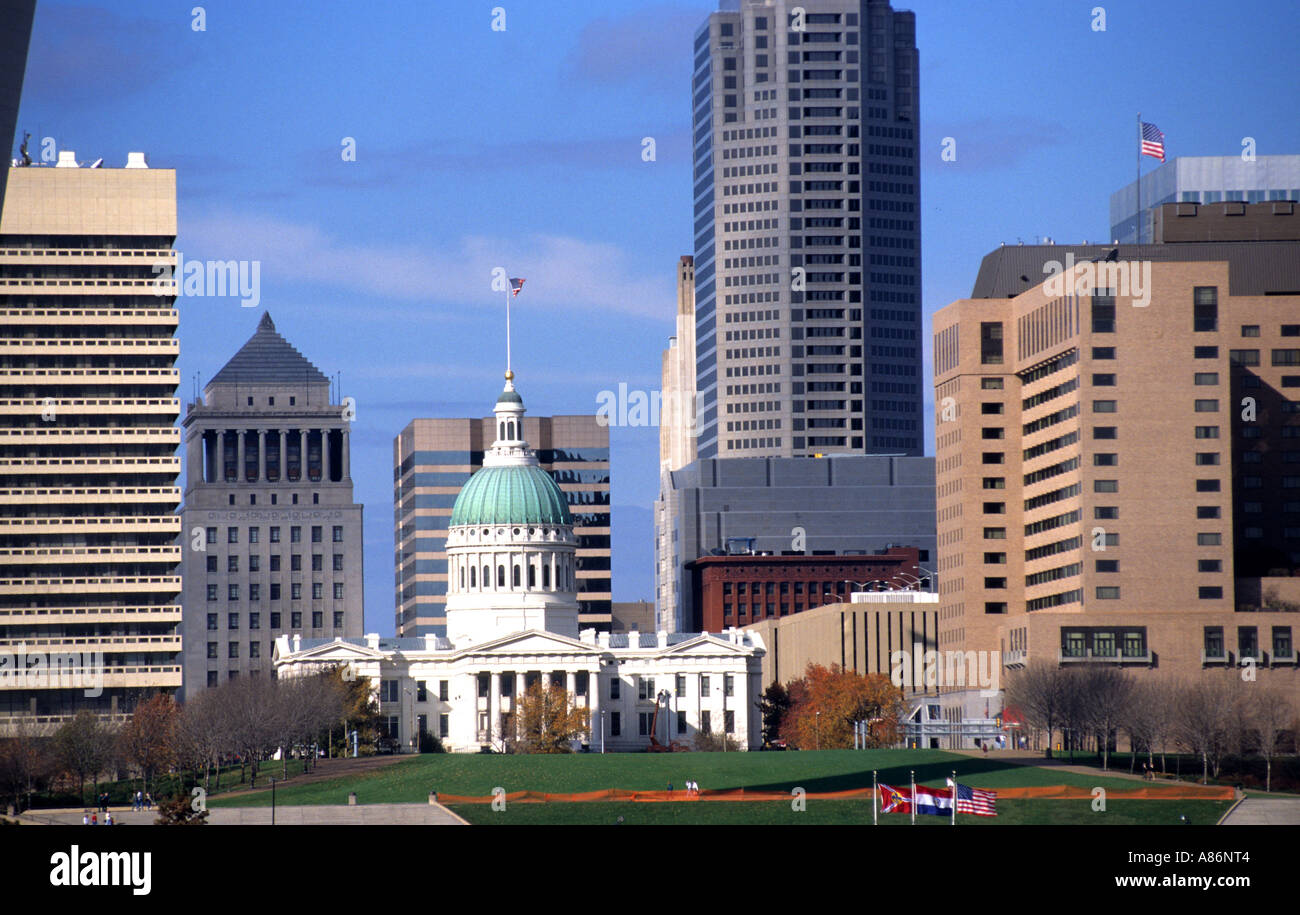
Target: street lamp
<point>602,730</point>
<point>415,737</point>
<point>818,744</point>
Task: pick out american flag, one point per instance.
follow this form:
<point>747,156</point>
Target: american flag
<point>1153,141</point>
<point>516,283</point>
<point>975,800</point>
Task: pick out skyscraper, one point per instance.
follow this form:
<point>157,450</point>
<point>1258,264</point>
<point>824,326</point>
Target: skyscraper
<point>807,229</point>
<point>434,458</point>
<point>88,465</point>
<point>15,34</point>
<point>273,537</point>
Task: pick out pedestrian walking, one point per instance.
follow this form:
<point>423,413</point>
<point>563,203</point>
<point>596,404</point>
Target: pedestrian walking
<point>108,819</point>
<point>94,818</point>
<point>85,818</point>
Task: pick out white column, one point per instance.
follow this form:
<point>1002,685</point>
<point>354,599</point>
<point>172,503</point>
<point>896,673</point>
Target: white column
<point>494,706</point>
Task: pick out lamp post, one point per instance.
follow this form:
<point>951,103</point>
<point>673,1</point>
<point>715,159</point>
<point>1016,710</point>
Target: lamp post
<point>818,744</point>
<point>415,736</point>
<point>272,800</point>
<point>602,731</point>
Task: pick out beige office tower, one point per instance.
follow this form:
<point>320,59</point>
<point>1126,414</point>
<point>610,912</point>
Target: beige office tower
<point>1118,452</point>
<point>433,459</point>
<point>89,616</point>
<point>678,431</point>
<point>677,428</point>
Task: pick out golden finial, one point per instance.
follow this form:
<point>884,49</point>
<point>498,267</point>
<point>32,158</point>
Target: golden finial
<point>510,376</point>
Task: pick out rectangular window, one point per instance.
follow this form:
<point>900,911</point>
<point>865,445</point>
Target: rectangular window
<point>338,533</point>
<point>275,563</point>
<point>212,592</point>
<point>295,534</point>
<point>317,562</point>
<point>706,723</point>
<point>1243,356</point>
<point>212,622</point>
<point>1105,459</point>
<point>1207,458</point>
<point>1250,330</point>
<point>1103,380</point>
<point>1105,485</point>
<point>991,343</point>
<point>1207,431</point>
<point>991,384</point>
<point>1205,352</point>
<point>1209,539</point>
<point>295,562</point>
<point>1207,406</point>
<point>212,649</point>
<point>317,534</point>
<point>338,619</point>
<point>704,685</point>
<point>295,619</point>
<point>232,649</point>
<point>275,535</point>
<point>338,562</point>
<point>1103,352</point>
<point>1207,485</point>
<point>1204,378</point>
<point>614,688</point>
<point>232,592</point>
<point>1105,432</point>
<point>1103,313</point>
<point>1104,406</point>
<point>1107,565</point>
<point>1209,565</point>
<point>615,724</point>
<point>1107,592</point>
<point>1210,592</point>
<point>1214,642</point>
<point>1205,307</point>
<point>295,591</point>
<point>681,686</point>
<point>993,457</point>
<point>995,533</point>
<point>1106,512</point>
<point>1207,512</point>
<point>729,721</point>
<point>338,590</point>
<point>645,688</point>
<point>1282,642</point>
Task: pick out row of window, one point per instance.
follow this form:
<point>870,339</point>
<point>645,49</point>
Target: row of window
<point>255,620</point>
<point>295,563</point>
<point>295,534</point>
<point>1248,642</point>
<point>295,591</point>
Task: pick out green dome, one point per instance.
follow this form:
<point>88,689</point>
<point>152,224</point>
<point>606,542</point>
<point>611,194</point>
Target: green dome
<point>510,397</point>
<point>511,495</point>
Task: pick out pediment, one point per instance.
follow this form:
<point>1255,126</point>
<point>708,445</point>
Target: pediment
<point>704,644</point>
<point>340,651</point>
<point>532,641</point>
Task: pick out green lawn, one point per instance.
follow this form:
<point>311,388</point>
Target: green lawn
<point>410,781</point>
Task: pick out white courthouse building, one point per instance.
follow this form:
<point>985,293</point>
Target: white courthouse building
<point>512,620</point>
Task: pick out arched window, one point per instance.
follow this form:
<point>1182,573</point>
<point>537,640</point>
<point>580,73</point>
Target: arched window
<point>532,575</point>
<point>502,430</point>
<point>501,576</point>
<point>487,576</point>
<point>462,578</point>
<point>472,583</point>
<point>516,576</point>
<point>546,576</point>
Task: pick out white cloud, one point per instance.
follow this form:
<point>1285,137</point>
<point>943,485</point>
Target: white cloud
<point>562,272</point>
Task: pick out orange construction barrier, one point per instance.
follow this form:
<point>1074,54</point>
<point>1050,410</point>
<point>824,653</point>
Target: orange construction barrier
<point>1040,792</point>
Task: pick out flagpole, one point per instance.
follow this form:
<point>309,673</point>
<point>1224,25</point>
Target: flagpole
<point>1139,180</point>
<point>875,795</point>
<point>954,797</point>
<point>913,804</point>
<point>509,291</point>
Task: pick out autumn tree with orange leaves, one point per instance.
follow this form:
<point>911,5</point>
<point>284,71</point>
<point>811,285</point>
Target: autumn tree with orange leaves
<point>842,697</point>
<point>148,740</point>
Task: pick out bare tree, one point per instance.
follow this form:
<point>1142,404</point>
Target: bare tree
<point>1038,692</point>
<point>1108,692</point>
<point>1148,719</point>
<point>25,762</point>
<point>1269,714</point>
<point>1209,709</point>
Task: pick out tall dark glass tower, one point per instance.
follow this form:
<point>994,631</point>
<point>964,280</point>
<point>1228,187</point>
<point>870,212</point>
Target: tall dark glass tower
<point>15,33</point>
<point>807,229</point>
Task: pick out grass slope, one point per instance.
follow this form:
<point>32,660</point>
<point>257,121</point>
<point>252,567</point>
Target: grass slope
<point>410,781</point>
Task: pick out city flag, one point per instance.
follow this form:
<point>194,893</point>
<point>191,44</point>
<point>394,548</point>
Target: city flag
<point>516,284</point>
<point>976,801</point>
<point>894,801</point>
<point>1153,141</point>
<point>937,801</point>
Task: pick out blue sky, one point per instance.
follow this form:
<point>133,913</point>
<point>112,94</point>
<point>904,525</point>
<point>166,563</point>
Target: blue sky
<point>522,148</point>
